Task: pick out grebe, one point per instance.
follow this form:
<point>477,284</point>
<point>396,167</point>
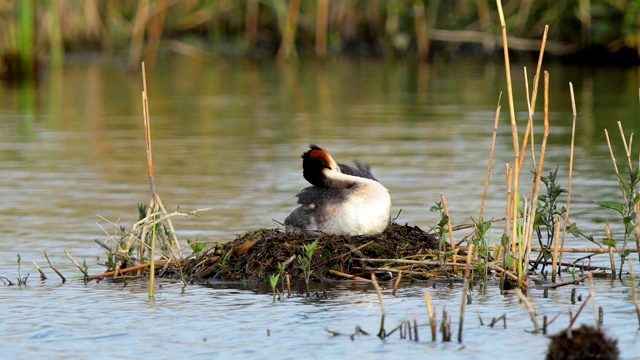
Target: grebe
<point>343,200</point>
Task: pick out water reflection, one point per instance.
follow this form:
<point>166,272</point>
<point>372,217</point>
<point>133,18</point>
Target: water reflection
<point>228,135</point>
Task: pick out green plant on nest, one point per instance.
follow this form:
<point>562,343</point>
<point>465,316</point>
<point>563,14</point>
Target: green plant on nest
<point>481,250</point>
<point>440,230</point>
<point>305,262</point>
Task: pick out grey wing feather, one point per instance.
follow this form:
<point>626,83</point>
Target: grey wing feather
<point>361,170</point>
<point>316,196</point>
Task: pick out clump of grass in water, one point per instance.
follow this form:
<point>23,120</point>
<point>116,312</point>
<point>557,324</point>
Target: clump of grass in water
<point>22,280</point>
<point>305,262</point>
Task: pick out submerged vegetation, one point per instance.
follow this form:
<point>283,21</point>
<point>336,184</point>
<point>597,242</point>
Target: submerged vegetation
<point>39,32</point>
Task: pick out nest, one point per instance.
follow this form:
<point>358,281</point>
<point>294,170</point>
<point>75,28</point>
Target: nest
<point>256,255</point>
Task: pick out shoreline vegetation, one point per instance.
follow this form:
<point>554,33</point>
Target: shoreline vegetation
<point>39,33</point>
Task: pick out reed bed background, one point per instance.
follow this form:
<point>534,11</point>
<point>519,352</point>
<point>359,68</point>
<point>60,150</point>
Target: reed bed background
<point>37,32</point>
<point>530,213</point>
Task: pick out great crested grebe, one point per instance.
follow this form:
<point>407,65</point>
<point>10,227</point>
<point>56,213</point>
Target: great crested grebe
<point>343,200</point>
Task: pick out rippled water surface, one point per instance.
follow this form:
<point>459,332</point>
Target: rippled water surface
<point>228,135</point>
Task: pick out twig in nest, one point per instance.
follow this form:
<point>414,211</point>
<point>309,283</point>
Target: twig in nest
<point>348,276</point>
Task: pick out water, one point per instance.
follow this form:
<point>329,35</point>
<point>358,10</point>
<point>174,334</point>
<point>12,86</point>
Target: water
<point>228,136</point>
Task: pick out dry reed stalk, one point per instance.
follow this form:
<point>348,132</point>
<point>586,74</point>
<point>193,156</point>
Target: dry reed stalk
<point>432,316</point>
<point>82,270</point>
<point>600,250</point>
<point>607,230</point>
<point>414,262</point>
<point>287,46</point>
<point>490,162</point>
<point>530,310</point>
<point>426,274</point>
<point>382,332</point>
<point>554,262</point>
<point>251,25</point>
<point>570,282</point>
<point>288,284</point>
<point>514,131</point>
<point>531,105</point>
<point>119,272</point>
<point>450,227</point>
<point>155,32</point>
<point>505,272</point>
<point>42,275</point>
<point>634,293</point>
<point>465,291</point>
<point>509,174</point>
<point>569,181</point>
<point>528,231</point>
<point>613,159</point>
<point>396,285</point>
<point>624,194</point>
<point>322,25</point>
<point>507,66</point>
<point>137,37</point>
<point>627,148</point>
<point>590,250</point>
<point>154,194</point>
<point>46,255</point>
<point>348,276</point>
<point>422,32</point>
<point>593,299</point>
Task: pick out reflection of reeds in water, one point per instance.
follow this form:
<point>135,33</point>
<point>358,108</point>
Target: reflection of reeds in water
<point>286,28</point>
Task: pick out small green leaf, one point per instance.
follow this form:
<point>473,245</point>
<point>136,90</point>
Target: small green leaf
<point>274,281</point>
<point>609,242</point>
<point>626,253</point>
<point>636,199</point>
<point>443,221</point>
<point>196,247</point>
<point>613,205</point>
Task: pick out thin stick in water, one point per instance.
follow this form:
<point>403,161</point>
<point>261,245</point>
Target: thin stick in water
<point>432,316</point>
<point>84,272</point>
<point>42,275</point>
<point>532,312</point>
<point>450,227</point>
<point>554,262</point>
<point>573,138</point>
<point>634,293</point>
<point>490,162</point>
<point>465,291</point>
<point>46,255</point>
<point>381,333</point>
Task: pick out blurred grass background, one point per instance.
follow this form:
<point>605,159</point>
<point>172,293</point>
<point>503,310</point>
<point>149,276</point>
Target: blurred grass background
<point>41,32</point>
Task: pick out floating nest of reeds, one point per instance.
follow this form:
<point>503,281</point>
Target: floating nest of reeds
<point>260,254</point>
